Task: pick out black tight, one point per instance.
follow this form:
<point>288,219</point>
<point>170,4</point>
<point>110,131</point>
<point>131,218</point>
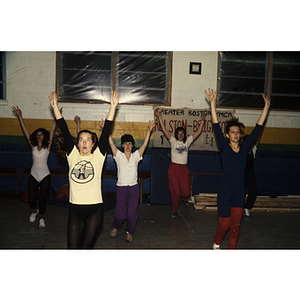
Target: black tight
<point>35,196</point>
<point>84,225</point>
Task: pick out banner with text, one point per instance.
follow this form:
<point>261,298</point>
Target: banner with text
<point>190,119</point>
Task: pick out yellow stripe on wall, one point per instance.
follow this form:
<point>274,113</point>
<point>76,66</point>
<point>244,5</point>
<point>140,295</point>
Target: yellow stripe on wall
<point>11,127</point>
<point>279,136</point>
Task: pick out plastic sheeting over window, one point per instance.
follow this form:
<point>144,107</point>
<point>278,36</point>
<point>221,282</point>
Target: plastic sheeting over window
<point>286,80</point>
<point>140,77</point>
<point>243,76</point>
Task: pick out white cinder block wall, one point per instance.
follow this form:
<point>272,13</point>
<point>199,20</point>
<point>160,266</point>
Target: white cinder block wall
<point>31,78</point>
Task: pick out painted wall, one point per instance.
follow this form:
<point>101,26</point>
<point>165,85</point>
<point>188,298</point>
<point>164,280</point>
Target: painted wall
<point>31,78</point>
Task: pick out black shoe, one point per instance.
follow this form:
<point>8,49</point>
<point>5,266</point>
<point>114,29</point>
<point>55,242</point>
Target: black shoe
<point>186,202</point>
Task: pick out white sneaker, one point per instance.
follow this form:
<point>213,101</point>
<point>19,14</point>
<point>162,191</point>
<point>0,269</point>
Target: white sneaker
<point>247,212</point>
<point>33,216</point>
<point>129,237</point>
<point>42,223</point>
<point>113,232</point>
<point>216,247</point>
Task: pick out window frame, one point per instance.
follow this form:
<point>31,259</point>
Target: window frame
<point>269,78</point>
<point>115,80</point>
<point>3,82</point>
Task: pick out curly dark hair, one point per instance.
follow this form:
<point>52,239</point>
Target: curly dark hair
<point>184,132</point>
<point>234,122</point>
<point>46,140</point>
<point>60,144</point>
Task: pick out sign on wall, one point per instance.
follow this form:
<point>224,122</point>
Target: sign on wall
<point>190,119</point>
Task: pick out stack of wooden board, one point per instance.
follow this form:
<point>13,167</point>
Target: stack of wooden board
<point>264,204</point>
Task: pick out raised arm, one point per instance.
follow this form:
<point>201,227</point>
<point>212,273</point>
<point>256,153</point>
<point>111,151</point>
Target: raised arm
<point>112,146</point>
<point>68,139</point>
<point>17,111</point>
<point>104,138</point>
<point>158,115</point>
<point>114,100</point>
<point>264,113</point>
<point>259,137</point>
<point>54,103</point>
<point>77,121</point>
<point>52,131</point>
<point>51,135</point>
<point>146,139</point>
<point>211,95</point>
<point>199,130</point>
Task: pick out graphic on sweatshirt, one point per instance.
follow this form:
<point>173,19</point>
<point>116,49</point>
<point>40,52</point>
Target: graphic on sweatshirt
<point>82,172</point>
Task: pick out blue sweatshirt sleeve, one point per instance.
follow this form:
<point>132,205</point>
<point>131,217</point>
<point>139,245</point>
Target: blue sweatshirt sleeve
<point>220,137</point>
<point>249,141</point>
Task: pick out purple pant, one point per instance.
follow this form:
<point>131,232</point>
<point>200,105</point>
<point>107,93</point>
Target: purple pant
<point>127,207</point>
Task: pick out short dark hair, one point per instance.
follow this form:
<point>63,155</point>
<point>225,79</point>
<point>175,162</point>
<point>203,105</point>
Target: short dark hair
<point>184,132</point>
<point>234,122</point>
<point>94,138</point>
<point>127,138</point>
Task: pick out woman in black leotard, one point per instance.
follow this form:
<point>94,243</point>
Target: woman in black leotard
<point>85,159</point>
<point>231,191</point>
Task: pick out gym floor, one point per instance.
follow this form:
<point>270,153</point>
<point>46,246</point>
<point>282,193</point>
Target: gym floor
<point>156,267</point>
<point>193,229</point>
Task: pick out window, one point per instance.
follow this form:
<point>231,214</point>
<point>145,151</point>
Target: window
<point>2,76</point>
<point>140,77</point>
<point>286,80</point>
<point>243,76</point>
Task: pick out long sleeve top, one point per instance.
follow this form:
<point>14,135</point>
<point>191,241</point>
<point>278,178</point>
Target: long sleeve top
<point>234,163</point>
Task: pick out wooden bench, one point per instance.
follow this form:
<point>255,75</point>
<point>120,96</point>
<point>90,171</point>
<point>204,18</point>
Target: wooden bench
<point>262,204</point>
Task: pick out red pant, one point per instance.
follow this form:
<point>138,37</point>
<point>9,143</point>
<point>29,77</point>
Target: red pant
<point>178,182</point>
<point>233,222</point>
